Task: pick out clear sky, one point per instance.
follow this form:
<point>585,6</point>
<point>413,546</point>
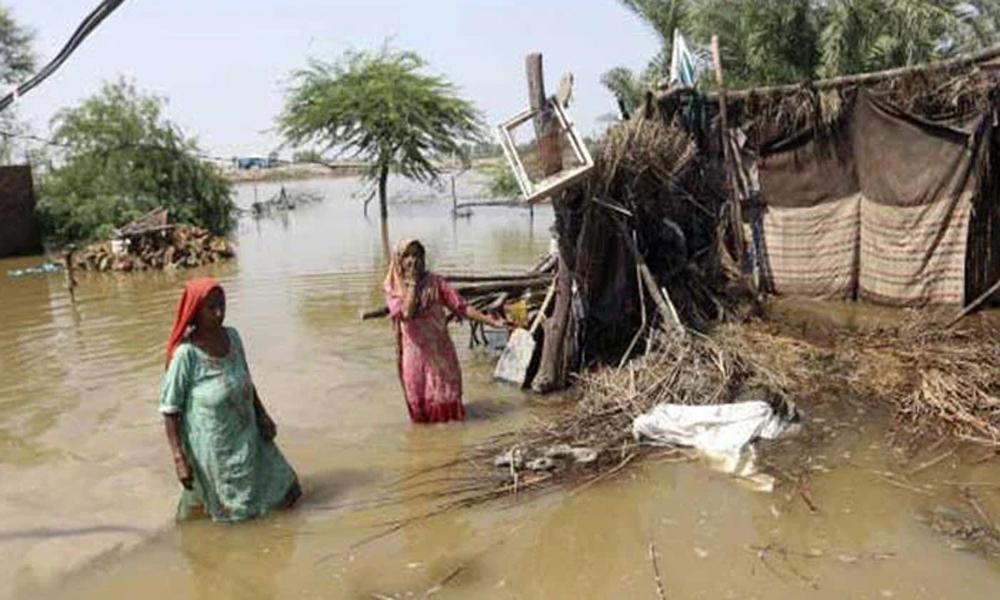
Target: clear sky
<point>223,64</point>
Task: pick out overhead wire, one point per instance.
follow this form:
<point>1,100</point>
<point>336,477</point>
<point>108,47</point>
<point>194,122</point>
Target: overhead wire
<point>126,146</point>
<point>86,27</point>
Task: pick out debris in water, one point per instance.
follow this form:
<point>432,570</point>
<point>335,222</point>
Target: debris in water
<point>512,457</point>
<point>542,463</point>
<point>42,269</point>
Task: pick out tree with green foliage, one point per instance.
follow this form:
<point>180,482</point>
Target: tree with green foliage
<point>17,62</point>
<point>382,108</point>
<point>122,158</point>
<point>768,42</point>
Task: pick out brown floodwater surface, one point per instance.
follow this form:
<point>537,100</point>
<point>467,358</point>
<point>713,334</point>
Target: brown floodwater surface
<point>88,489</point>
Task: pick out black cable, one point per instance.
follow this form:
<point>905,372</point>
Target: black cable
<point>89,24</point>
<point>53,143</point>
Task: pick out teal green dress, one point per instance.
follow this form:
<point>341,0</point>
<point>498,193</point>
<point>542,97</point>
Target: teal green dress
<point>237,474</point>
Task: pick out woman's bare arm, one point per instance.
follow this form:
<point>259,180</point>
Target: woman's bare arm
<point>491,320</point>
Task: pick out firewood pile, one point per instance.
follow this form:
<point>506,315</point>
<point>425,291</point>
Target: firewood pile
<point>169,247</point>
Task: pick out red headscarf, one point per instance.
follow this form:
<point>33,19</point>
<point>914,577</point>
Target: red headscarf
<point>195,292</point>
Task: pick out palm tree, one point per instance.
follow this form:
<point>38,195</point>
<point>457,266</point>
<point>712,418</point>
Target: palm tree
<point>382,109</point>
<point>762,42</point>
<point>628,87</point>
<point>979,24</point>
<point>870,35</point>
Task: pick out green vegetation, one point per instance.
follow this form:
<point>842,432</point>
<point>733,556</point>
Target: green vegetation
<point>766,42</point>
<point>502,183</point>
<point>380,107</point>
<point>17,62</point>
<point>123,158</point>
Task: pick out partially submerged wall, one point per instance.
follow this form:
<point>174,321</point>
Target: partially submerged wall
<point>19,229</point>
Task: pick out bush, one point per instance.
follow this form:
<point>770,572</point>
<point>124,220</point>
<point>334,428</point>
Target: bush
<point>502,182</point>
<point>307,156</point>
<point>123,158</point>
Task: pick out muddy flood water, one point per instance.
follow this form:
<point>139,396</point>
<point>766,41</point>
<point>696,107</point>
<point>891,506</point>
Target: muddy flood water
<point>88,489</point>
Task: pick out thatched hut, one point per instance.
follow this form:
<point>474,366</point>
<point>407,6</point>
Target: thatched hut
<point>880,187</point>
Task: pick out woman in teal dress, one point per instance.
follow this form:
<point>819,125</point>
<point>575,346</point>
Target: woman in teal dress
<point>221,437</point>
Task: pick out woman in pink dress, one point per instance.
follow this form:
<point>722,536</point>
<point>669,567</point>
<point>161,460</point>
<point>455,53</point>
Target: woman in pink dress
<point>426,359</point>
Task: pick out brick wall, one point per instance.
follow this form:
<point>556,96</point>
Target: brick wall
<point>19,230</point>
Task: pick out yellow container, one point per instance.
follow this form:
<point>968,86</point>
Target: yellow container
<point>517,313</point>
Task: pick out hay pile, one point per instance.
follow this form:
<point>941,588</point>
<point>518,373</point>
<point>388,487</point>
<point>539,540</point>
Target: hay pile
<point>939,95</point>
<point>938,382</point>
<point>732,365</point>
<point>650,193</point>
<point>935,383</point>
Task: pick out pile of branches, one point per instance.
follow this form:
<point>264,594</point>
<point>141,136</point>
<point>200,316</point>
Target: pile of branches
<point>686,368</point>
<point>936,384</point>
<point>946,94</point>
<point>182,246</point>
<point>939,382</point>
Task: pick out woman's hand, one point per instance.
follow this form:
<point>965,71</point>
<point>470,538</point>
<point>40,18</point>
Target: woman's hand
<point>268,430</point>
<point>500,322</point>
<point>492,320</point>
<point>265,425</point>
<point>172,425</point>
<point>184,473</point>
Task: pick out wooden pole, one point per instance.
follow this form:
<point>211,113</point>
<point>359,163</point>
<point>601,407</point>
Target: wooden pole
<point>736,211</point>
<point>536,90</point>
<point>974,304</point>
<point>546,128</point>
<point>660,297</point>
<point>976,59</point>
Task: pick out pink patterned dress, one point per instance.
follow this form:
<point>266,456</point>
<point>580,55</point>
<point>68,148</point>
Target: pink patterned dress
<point>428,364</point>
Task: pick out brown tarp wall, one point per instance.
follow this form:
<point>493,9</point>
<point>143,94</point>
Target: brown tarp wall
<point>19,230</point>
<point>879,207</point>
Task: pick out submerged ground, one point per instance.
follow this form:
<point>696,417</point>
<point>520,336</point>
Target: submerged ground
<point>88,489</point>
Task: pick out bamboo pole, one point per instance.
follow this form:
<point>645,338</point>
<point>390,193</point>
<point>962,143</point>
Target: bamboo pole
<point>849,80</point>
<point>974,304</point>
<point>458,277</point>
<point>736,211</point>
<point>476,289</point>
<point>659,295</point>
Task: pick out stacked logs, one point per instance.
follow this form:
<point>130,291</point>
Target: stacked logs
<point>176,247</point>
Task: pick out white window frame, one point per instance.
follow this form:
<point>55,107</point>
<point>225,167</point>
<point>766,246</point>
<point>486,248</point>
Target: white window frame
<point>546,188</point>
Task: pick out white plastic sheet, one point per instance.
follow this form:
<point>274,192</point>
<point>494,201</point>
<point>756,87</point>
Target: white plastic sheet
<point>722,432</point>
